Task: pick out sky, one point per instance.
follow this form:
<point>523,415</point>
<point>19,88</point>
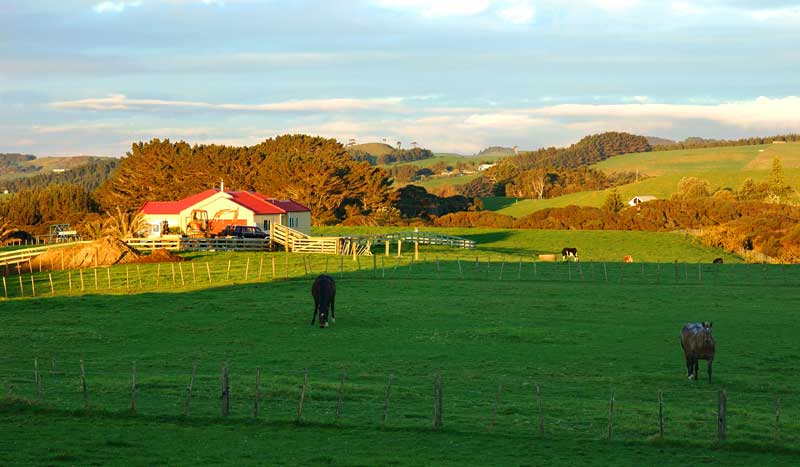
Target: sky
<point>94,76</point>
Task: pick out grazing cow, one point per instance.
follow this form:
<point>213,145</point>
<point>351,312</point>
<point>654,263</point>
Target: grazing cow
<point>324,292</point>
<point>698,344</point>
<point>718,261</point>
<point>567,253</point>
<point>628,259</point>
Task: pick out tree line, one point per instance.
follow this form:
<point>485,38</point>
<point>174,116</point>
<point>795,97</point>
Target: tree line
<point>396,156</point>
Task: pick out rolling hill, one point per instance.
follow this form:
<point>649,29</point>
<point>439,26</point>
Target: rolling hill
<point>375,149</point>
<point>726,167</point>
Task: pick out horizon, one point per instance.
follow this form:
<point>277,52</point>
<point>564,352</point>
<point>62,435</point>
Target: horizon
<point>92,77</point>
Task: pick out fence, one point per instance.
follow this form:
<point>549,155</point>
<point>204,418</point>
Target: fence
<point>25,280</point>
<point>199,244</point>
<point>544,407</point>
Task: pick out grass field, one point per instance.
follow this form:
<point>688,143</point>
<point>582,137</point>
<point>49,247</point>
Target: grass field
<point>501,324</point>
<point>722,167</point>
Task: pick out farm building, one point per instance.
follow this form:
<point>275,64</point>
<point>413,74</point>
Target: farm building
<point>637,200</point>
<point>245,207</point>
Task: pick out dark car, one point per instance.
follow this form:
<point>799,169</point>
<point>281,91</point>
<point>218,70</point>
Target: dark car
<point>243,231</point>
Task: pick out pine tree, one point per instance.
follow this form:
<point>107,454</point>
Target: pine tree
<point>613,202</point>
<point>779,191</point>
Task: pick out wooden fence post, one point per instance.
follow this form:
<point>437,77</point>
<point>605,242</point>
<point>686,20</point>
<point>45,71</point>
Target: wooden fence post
<point>33,286</point>
<point>189,391</point>
<point>96,280</point>
<point>258,392</point>
<point>261,267</point>
<point>158,275</point>
<point>721,416</point>
<point>80,272</point>
<point>273,268</point>
<point>777,418</point>
<point>69,278</point>
<point>494,408</point>
<point>519,270</point>
<point>437,402</point>
<point>208,270</point>
<point>172,267</point>
<point>226,407</point>
<point>180,270</point>
<point>108,276</point>
<point>21,288</point>
<point>37,378</point>
<point>52,289</point>
<point>139,276</point>
<point>85,388</point>
<point>502,266</point>
<point>133,387</point>
<point>5,288</point>
<point>341,395</point>
<point>605,272</point>
<point>386,402</point>
<point>302,396</point>
<point>660,414</point>
<point>127,279</point>
<point>611,416</point>
<point>247,269</point>
<point>228,274</point>
<point>539,406</point>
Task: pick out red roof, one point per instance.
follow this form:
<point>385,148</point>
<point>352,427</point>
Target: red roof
<point>251,200</point>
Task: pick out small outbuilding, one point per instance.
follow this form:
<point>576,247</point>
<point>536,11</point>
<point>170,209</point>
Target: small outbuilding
<point>248,207</point>
<point>637,200</point>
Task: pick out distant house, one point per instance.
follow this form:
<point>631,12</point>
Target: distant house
<point>248,206</point>
<point>637,200</point>
<point>483,167</point>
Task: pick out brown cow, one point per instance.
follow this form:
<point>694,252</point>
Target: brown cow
<point>698,344</point>
<point>628,259</point>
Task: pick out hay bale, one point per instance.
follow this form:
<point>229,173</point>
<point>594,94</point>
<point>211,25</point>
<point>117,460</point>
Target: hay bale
<point>548,257</point>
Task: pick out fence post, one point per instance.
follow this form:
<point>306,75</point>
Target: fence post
<point>437,404</point>
<point>247,269</point>
<point>502,266</point>
<point>519,270</point>
<point>611,416</point>
<point>660,414</point>
<point>208,270</point>
<point>69,278</point>
<point>37,378</point>
<point>33,286</point>
<point>189,391</point>
<point>158,275</point>
<point>494,408</point>
<point>386,401</point>
<point>108,276</point>
<point>273,268</point>
<point>5,288</point>
<point>226,407</point>
<point>341,395</point>
<point>133,387</point>
<point>721,415</point>
<point>96,280</point>
<point>139,275</point>
<point>605,272</point>
<point>777,418</point>
<point>539,405</point>
<point>180,270</point>
<point>21,288</point>
<point>261,267</point>
<point>302,396</point>
<point>172,267</point>
<point>85,389</point>
<point>52,289</point>
<point>258,392</point>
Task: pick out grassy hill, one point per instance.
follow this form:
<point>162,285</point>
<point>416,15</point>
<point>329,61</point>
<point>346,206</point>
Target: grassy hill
<point>375,149</point>
<point>722,167</point>
<point>494,332</point>
<point>47,164</point>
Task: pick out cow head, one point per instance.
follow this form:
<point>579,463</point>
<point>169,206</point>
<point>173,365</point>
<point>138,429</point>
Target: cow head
<point>707,332</point>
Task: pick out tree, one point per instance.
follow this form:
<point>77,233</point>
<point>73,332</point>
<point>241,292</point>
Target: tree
<point>124,224</point>
<point>692,188</point>
<point>779,190</point>
<point>613,202</point>
<point>5,230</point>
<point>752,191</point>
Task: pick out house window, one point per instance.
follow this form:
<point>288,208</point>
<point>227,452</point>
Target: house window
<point>292,222</point>
<point>266,225</point>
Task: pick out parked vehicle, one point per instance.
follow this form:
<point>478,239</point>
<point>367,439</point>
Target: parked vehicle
<point>243,231</point>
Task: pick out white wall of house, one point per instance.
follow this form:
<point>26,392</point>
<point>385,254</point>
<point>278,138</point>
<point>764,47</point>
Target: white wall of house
<point>299,221</point>
<point>213,205</point>
<point>264,220</point>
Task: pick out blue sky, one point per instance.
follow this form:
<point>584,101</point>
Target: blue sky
<point>93,76</point>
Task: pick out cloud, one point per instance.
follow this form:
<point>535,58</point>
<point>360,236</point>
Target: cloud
<point>115,6</point>
<point>518,12</point>
<point>615,5</point>
<point>120,102</point>
<point>512,11</point>
<point>777,14</point>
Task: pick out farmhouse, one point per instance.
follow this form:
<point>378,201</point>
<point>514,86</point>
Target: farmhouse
<point>248,207</point>
<point>637,200</point>
<point>483,167</point>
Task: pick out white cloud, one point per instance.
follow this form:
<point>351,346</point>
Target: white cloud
<point>683,7</point>
<point>120,102</point>
<point>776,14</point>
<point>518,12</point>
<point>115,6</point>
<point>616,6</point>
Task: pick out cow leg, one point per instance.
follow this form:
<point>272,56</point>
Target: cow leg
<point>333,313</point>
<point>316,308</point>
<point>709,370</point>
<point>689,367</point>
<point>696,368</point>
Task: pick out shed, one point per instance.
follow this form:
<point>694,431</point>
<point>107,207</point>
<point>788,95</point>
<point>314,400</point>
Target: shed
<point>637,200</point>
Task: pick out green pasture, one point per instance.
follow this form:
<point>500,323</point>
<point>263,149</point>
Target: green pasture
<point>493,329</point>
<point>722,167</point>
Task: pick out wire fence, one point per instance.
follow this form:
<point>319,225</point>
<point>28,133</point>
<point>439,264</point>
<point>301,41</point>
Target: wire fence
<point>203,271</point>
<point>469,402</point>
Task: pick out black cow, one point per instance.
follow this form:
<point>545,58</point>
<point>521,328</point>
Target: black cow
<point>567,253</point>
<point>718,261</point>
<point>324,292</point>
